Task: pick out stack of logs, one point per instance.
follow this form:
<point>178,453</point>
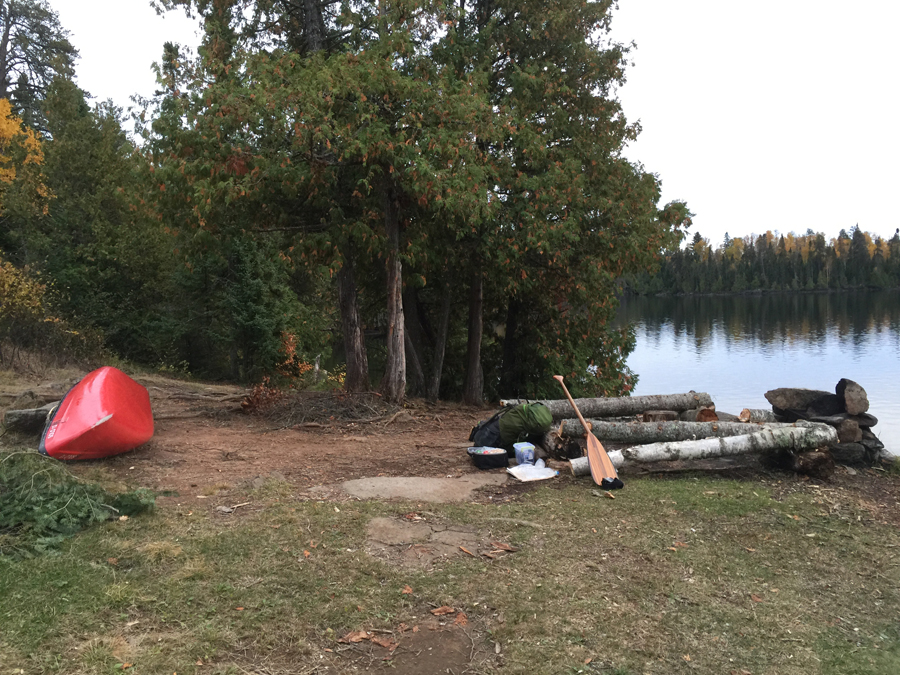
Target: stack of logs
<point>687,426</point>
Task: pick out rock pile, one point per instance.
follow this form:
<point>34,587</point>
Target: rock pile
<point>845,410</point>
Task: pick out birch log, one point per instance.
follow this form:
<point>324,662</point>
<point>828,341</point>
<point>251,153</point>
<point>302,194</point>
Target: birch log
<point>659,432</point>
<point>794,438</point>
<point>618,407</point>
<point>757,415</point>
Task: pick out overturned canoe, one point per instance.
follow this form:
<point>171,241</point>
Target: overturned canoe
<point>105,414</point>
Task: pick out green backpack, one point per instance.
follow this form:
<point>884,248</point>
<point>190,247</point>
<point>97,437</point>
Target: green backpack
<point>526,419</point>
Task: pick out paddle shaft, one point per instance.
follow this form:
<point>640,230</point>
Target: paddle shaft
<point>584,425</point>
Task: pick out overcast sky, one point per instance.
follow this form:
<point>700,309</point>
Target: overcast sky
<point>776,114</point>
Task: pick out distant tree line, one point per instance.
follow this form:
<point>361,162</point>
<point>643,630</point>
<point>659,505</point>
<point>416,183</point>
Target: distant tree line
<point>771,262</point>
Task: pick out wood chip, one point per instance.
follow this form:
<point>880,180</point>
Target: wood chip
<point>444,609</point>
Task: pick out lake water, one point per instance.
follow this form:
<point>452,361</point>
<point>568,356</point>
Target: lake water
<point>736,348</point>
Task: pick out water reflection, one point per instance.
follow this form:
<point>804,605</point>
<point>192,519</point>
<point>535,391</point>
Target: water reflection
<point>738,347</point>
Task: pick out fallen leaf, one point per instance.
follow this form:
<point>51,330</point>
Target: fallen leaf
<point>123,519</point>
<point>587,661</point>
<point>126,666</point>
<point>403,627</point>
<point>359,608</point>
<point>337,510</point>
<point>796,517</point>
<point>385,642</point>
<point>681,544</point>
<point>112,561</point>
<point>329,650</point>
<point>239,609</point>
<point>465,550</point>
<point>415,629</point>
<point>444,609</point>
<point>355,636</point>
<point>672,548</point>
<point>461,620</point>
<point>504,547</point>
<point>496,647</point>
<point>406,590</point>
<point>749,550</point>
<point>686,657</point>
<point>594,530</point>
<point>199,662</point>
<point>755,598</point>
<point>306,554</point>
<point>610,495</point>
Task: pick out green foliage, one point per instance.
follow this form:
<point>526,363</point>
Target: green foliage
<point>41,503</point>
<point>27,326</point>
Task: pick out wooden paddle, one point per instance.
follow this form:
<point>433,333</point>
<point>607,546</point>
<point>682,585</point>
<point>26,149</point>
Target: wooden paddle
<point>602,470</point>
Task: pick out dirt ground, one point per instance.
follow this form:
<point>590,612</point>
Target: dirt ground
<point>206,443</point>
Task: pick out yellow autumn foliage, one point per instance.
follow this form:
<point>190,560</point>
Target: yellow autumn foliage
<point>21,296</point>
<point>20,160</point>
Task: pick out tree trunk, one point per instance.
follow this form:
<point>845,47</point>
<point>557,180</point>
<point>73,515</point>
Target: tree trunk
<point>314,25</point>
<point>354,340</point>
<point>393,384</point>
<point>509,378</point>
<point>473,392</point>
<point>621,407</point>
<point>440,346</point>
<point>414,340</point>
<point>794,438</point>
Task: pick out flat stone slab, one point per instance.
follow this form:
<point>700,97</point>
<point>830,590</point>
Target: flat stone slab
<point>421,489</point>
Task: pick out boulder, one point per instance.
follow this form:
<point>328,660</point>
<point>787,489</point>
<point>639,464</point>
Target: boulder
<point>793,398</point>
<point>832,420</point>
<point>849,453</point>
<point>849,431</point>
<point>854,396</point>
<point>830,404</point>
<point>864,420</point>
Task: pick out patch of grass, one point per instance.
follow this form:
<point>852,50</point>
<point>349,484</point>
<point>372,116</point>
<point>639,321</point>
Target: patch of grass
<point>673,576</point>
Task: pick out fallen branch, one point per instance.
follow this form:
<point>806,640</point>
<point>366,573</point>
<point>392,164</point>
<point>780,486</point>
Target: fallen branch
<point>626,405</point>
<point>795,438</point>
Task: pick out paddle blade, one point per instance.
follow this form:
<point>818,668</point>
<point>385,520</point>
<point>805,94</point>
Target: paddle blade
<point>602,470</point>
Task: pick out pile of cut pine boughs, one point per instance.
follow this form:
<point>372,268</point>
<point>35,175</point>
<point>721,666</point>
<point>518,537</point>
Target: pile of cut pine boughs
<point>42,503</point>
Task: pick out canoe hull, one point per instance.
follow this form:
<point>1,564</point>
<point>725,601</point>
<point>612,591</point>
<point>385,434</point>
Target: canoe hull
<point>105,414</point>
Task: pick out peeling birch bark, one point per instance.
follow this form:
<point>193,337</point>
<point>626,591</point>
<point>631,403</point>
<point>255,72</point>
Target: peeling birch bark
<point>657,432</point>
<point>794,438</point>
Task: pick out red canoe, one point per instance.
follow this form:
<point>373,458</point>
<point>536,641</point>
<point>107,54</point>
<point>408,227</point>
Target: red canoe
<point>105,414</point>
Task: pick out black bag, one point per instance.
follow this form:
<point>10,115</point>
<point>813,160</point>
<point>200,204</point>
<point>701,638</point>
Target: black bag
<point>489,458</point>
<point>487,432</point>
